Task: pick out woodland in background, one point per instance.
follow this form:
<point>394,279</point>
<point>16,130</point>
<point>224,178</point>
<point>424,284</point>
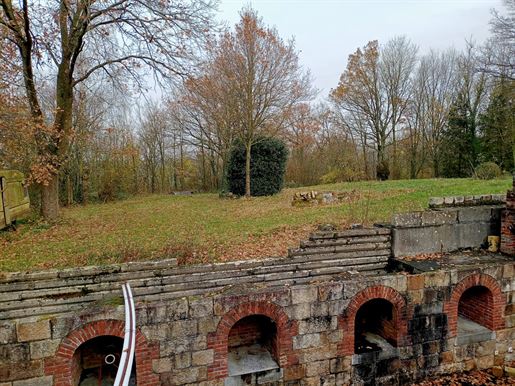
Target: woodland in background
<point>395,113</point>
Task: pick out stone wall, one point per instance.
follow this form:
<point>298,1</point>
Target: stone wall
<point>508,223</point>
<point>459,201</point>
<point>444,230</point>
<point>185,340</point>
<point>312,302</point>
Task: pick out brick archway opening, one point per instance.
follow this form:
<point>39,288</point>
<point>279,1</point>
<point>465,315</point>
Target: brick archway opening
<point>479,299</point>
<point>88,343</point>
<point>266,324</point>
<point>476,304</point>
<point>252,345</point>
<point>378,310</point>
<point>96,361</point>
<point>375,327</point>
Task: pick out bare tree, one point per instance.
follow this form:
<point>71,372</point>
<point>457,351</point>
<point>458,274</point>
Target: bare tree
<point>498,54</point>
<point>75,39</point>
<point>373,92</point>
<point>434,91</point>
<point>397,63</point>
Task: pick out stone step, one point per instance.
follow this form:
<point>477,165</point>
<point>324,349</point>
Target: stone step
<point>337,249</point>
<point>344,241</point>
<point>350,233</point>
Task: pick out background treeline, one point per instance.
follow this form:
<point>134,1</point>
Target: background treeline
<point>395,113</point>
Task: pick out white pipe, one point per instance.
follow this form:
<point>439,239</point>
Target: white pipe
<point>129,342</point>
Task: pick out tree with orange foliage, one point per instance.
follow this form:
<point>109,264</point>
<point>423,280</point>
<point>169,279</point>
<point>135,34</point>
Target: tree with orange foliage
<point>261,75</point>
<point>373,94</point>
<point>73,40</point>
<point>302,128</point>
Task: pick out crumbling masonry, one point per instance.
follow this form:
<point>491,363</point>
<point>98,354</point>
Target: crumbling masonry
<point>351,307</point>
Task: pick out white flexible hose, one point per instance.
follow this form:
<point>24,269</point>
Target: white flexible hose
<point>129,342</point>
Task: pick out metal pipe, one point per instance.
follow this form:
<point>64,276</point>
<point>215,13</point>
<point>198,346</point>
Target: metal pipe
<point>129,342</point>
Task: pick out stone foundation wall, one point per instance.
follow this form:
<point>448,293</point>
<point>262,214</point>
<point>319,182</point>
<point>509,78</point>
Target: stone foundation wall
<point>444,230</point>
<point>184,341</point>
<point>185,315</point>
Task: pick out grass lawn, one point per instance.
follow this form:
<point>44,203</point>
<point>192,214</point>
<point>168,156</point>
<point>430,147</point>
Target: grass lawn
<point>204,227</point>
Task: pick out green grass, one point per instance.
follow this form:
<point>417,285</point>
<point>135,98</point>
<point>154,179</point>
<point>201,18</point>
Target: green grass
<point>204,227</point>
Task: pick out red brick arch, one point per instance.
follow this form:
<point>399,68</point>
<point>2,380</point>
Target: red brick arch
<point>61,366</point>
<point>348,320</point>
<point>218,340</point>
<point>496,302</point>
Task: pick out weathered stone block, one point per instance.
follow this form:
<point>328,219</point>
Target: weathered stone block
<point>182,328</point>
<point>325,351</point>
<point>201,308</point>
<point>447,357</point>
<point>331,291</point>
<point>416,282</point>
<point>335,336</point>
<point>201,358</point>
<point>437,279</point>
<point>306,341</point>
<point>405,220</point>
<point>300,311</point>
<point>27,332</point>
<point>207,325</point>
<point>448,201</point>
<point>431,239</point>
<point>185,376</point>
<point>485,362</point>
<point>44,348</point>
<point>7,332</point>
<point>14,353</point>
<point>472,235</point>
<point>162,365</point>
<point>61,327</point>
<point>304,294</point>
<point>177,309</point>
<point>317,368</point>
<point>293,373</point>
<point>182,360</point>
<point>21,370</point>
<point>319,309</point>
<point>440,217</point>
<point>317,324</point>
<point>40,381</point>
<point>435,202</point>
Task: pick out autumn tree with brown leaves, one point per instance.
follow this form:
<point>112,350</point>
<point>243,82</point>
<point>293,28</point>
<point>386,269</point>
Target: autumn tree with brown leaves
<point>263,79</point>
<point>69,41</point>
<point>373,94</point>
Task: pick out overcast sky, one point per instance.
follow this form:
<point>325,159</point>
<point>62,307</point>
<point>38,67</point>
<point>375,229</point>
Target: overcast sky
<point>327,31</point>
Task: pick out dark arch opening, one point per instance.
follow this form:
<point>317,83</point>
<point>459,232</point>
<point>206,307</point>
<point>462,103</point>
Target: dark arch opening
<point>476,306</point>
<point>252,346</point>
<point>375,327</point>
<point>95,362</point>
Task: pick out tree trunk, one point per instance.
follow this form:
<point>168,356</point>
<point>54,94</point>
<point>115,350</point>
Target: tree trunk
<point>247,170</point>
<point>69,191</point>
<point>50,199</point>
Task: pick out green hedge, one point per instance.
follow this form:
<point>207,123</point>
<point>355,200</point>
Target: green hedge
<point>267,167</point>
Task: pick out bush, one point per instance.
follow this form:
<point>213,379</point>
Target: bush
<point>267,166</point>
<point>343,174</point>
<point>383,170</point>
<point>488,171</point>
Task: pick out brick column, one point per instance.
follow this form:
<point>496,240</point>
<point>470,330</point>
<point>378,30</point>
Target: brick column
<point>508,223</point>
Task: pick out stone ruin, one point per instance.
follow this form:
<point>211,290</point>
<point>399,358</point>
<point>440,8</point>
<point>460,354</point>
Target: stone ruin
<point>389,305</point>
<point>314,198</point>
